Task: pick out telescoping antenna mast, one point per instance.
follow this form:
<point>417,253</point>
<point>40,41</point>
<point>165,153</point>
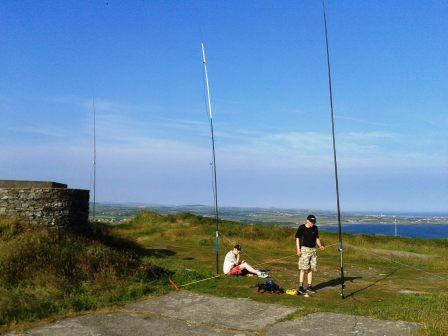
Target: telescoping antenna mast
<point>334,152</point>
<point>94,160</point>
<point>215,189</point>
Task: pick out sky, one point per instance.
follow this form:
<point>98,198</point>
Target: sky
<point>141,63</point>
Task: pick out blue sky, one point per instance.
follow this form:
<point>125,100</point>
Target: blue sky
<point>141,60</point>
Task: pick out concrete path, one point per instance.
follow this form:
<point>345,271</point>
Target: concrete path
<point>186,313</point>
<point>241,314</point>
<point>126,324</point>
<point>331,324</point>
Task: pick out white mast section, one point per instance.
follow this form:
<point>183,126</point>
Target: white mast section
<point>215,189</point>
<point>207,87</point>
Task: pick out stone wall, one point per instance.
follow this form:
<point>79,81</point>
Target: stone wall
<point>53,207</point>
<point>20,184</point>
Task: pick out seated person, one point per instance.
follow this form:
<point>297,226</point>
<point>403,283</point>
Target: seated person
<point>233,266</point>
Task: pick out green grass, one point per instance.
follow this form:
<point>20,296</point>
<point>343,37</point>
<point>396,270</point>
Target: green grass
<point>374,288</point>
<point>46,273</point>
<point>43,274</point>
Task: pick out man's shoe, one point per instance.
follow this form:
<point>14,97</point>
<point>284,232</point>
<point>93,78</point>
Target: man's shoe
<point>301,289</point>
<point>263,275</point>
<point>310,290</point>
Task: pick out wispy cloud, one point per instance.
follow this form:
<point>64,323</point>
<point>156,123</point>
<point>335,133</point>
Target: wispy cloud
<point>33,129</point>
<point>363,121</point>
<point>157,158</point>
<point>183,141</point>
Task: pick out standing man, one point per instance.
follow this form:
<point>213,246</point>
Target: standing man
<point>307,236</point>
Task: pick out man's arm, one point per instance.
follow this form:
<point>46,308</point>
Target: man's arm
<point>299,235</point>
<point>318,242</point>
<point>237,259</point>
<point>299,252</point>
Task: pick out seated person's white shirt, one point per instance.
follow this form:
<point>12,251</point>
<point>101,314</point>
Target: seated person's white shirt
<point>229,262</point>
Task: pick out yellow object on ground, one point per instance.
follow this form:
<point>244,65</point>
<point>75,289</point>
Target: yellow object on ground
<point>292,292</point>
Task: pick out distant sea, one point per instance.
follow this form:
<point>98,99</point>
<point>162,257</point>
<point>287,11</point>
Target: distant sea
<point>428,231</point>
<point>410,224</point>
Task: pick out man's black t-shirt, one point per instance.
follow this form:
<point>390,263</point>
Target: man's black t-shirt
<point>307,235</point>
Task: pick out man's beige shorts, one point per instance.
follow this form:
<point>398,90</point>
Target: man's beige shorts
<point>308,259</point>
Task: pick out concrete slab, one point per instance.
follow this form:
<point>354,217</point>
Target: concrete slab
<point>186,313</point>
<point>331,324</point>
<point>121,324</point>
<point>242,314</point>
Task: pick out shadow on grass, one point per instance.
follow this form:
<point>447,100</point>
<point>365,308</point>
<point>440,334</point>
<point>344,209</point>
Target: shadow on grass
<point>334,282</point>
<point>158,253</point>
<point>102,233</point>
<point>352,294</point>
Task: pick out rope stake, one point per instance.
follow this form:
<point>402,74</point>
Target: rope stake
<point>172,283</point>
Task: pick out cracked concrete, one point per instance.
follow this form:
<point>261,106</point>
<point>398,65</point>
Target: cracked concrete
<point>331,324</point>
<point>243,314</point>
<point>186,313</point>
<point>126,324</point>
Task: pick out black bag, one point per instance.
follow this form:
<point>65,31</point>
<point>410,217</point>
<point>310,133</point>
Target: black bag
<point>270,287</point>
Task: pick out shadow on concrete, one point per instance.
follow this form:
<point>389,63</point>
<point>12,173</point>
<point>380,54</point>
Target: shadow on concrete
<point>334,282</point>
<point>352,294</point>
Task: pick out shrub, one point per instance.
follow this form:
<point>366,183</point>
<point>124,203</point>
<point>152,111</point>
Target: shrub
<point>44,271</point>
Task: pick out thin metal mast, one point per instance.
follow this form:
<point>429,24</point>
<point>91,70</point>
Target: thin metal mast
<point>334,152</point>
<point>215,184</point>
<point>94,159</point>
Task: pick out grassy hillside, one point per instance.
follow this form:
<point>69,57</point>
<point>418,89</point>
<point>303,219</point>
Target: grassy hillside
<point>45,273</point>
<point>376,286</point>
<point>48,274</point>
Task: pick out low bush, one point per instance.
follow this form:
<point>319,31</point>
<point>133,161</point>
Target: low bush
<point>45,272</point>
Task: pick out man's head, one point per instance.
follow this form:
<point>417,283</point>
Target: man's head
<point>236,249</point>
<point>311,220</point>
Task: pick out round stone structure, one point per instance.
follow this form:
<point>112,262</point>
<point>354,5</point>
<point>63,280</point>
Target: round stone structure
<point>45,203</point>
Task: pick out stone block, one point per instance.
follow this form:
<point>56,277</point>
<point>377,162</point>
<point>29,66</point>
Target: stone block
<point>62,207</point>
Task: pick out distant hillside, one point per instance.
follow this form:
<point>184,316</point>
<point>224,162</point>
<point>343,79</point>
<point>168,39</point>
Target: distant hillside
<point>288,217</point>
